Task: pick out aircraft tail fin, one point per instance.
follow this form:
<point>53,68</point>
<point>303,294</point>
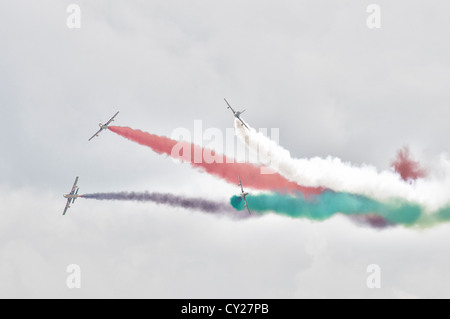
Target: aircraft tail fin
<point>76,193</point>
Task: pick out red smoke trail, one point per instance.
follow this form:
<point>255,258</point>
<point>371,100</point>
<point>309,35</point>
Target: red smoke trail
<point>221,167</point>
<point>408,169</point>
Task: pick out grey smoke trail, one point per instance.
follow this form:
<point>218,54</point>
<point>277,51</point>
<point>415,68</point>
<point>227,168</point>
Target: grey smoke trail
<point>167,199</point>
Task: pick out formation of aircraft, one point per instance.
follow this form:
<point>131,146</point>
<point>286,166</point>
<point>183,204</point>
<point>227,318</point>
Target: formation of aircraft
<point>237,114</point>
<point>243,194</point>
<point>103,126</point>
<point>72,195</point>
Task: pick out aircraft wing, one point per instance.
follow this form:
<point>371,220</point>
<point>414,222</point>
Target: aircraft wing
<point>67,206</point>
<point>240,184</point>
<point>96,134</point>
<point>229,106</point>
<point>74,187</point>
<point>246,205</point>
<point>112,119</point>
<point>244,124</point>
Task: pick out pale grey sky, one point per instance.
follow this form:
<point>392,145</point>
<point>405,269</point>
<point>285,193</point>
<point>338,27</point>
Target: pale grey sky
<point>310,68</point>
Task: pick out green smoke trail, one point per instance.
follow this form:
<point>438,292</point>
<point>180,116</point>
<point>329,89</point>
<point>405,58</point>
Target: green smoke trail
<point>323,206</point>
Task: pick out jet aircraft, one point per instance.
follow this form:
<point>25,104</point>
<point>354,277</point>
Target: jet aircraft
<point>243,194</point>
<point>103,126</point>
<point>72,195</point>
<point>237,114</point>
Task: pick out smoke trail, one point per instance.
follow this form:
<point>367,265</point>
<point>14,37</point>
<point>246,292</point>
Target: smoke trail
<point>332,173</point>
<point>372,220</point>
<point>408,169</point>
<point>359,208</point>
<point>221,166</point>
<point>316,208</point>
<point>166,199</point>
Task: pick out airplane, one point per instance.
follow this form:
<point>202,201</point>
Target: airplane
<point>103,126</point>
<point>237,114</point>
<point>72,195</point>
<point>243,194</point>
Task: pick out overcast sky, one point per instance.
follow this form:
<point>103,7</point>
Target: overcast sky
<point>312,69</point>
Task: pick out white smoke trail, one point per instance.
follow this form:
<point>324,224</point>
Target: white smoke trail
<point>432,192</point>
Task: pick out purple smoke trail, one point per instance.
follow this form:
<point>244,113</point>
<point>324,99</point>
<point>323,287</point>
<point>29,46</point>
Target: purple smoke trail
<point>167,199</point>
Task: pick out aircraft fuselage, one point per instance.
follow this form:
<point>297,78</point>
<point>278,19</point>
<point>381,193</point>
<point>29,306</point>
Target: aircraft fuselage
<point>71,196</point>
